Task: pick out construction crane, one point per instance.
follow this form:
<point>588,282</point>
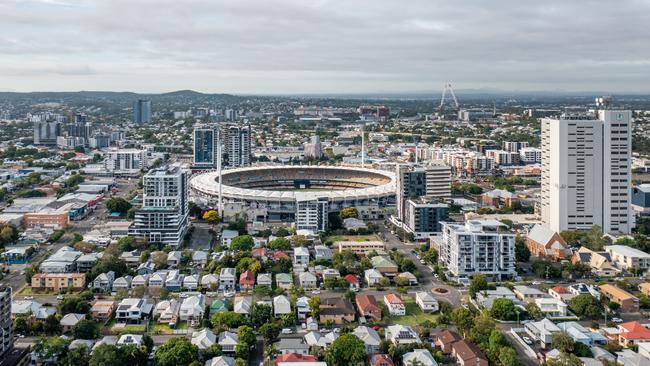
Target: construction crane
<point>446,88</point>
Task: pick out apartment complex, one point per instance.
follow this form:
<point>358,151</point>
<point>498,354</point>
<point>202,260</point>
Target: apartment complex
<point>6,329</point>
<point>423,217</point>
<point>586,171</point>
<point>361,247</point>
<point>142,111</point>
<point>163,217</point>
<point>205,147</point>
<point>311,214</point>
<point>485,246</point>
<point>432,181</point>
<point>125,161</point>
<point>238,146</point>
<point>58,281</point>
<point>628,302</point>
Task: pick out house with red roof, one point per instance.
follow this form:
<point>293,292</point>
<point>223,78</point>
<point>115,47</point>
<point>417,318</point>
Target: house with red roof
<point>632,333</point>
<point>261,253</point>
<point>395,304</point>
<point>353,281</point>
<point>368,307</point>
<point>247,280</point>
<point>380,359</point>
<point>295,357</point>
<point>561,293</point>
<point>279,255</point>
<point>445,339</point>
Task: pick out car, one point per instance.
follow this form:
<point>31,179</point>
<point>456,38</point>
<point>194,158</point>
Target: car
<point>435,275</point>
<point>422,262</point>
<point>183,295</point>
<point>536,283</point>
<point>527,340</point>
<point>323,330</point>
<point>28,297</point>
<point>21,336</point>
<point>59,297</point>
<point>617,320</point>
<point>315,292</point>
<point>287,330</point>
<point>229,294</point>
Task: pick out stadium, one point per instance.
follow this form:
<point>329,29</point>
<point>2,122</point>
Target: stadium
<point>294,193</point>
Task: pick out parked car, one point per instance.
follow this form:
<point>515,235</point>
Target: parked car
<point>617,320</point>
<point>59,297</point>
<point>527,340</point>
<point>287,330</point>
<point>28,297</point>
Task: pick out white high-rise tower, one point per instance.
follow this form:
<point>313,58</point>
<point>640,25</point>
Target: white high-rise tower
<point>586,171</point>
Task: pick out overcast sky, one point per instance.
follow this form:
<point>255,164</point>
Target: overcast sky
<point>321,46</point>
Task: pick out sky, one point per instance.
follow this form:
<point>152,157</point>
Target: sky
<point>323,46</point>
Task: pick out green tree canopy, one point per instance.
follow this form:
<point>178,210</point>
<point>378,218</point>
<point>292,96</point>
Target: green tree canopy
<point>177,352</point>
<point>346,350</point>
<point>242,242</point>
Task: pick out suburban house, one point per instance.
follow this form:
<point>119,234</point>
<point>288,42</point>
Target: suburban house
<point>242,306</point>
<point>210,281</point>
<point>542,331</point>
<point>227,279</point>
<point>102,309</point>
<point>307,280</point>
<point>122,283</point>
<point>546,243</point>
<point>227,236</point>
<point>200,258</point>
<point>204,339</point>
<point>104,281</point>
<point>264,279</point>
<point>632,333</point>
<point>372,277</point>
<point>401,334</point>
<point>395,304</point>
<point>380,359</point>
<point>468,354</point>
<point>227,341</point>
<point>246,281</point>
<point>353,281</point>
<point>426,302</point>
<point>302,307</point>
<point>599,262</point>
<point>410,277</point>
<point>281,306</point>
<point>384,265</point>
<point>70,320</point>
<point>157,279</point>
<point>628,258</point>
<point>174,258</point>
<point>370,338</point>
<point>582,335</point>
<point>192,308</point>
<point>628,302</point>
<point>220,361</point>
<point>419,356</point>
<point>133,311</point>
<point>167,311</point>
<point>551,307</point>
<point>300,257</point>
<point>322,252</point>
<point>140,280</point>
<point>338,310</point>
<point>445,339</point>
<point>368,307</point>
<point>283,281</point>
<point>174,280</point>
<point>528,294</point>
<point>330,273</point>
<point>191,282</point>
<point>561,293</point>
<point>292,345</point>
<point>147,267</point>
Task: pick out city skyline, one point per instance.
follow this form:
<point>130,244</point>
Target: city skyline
<point>294,47</point>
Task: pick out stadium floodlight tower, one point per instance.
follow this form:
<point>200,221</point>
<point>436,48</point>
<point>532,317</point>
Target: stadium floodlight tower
<point>219,167</point>
<point>363,146</point>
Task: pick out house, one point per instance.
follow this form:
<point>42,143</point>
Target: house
<point>192,308</point>
<point>486,298</point>
<point>401,334</point>
<point>467,354</point>
<point>242,306</point>
<point>330,273</point>
<point>370,338</point>
<point>368,307</point>
<point>300,257</point>
<point>292,345</point>
<point>426,302</point>
<point>86,262</point>
<point>146,268</point>
<point>218,306</point>
<point>410,277</point>
<point>546,243</point>
<point>174,258</point>
<point>307,280</point>
<point>295,358</point>
<point>311,324</point>
<point>561,293</point>
<point>122,283</point>
<point>582,288</point>
<point>628,302</point>
<point>58,281</point>
<point>628,258</point>
<point>582,335</point>
<point>140,280</point>
<point>227,279</point>
<point>281,306</point>
<point>322,252</point>
<point>157,279</point>
<point>132,258</point>
<point>353,281</point>
<point>204,339</point>
<point>200,258</point>
<point>264,279</point>
<point>384,265</point>
<point>551,307</point>
<point>420,356</point>
<point>130,340</point>
<point>227,236</point>
<point>167,311</point>
<point>395,304</point>
<point>542,331</point>
<point>25,307</point>
<point>261,253</point>
<point>70,320</point>
<point>220,361</point>
<point>133,311</point>
<point>380,359</point>
<point>445,339</point>
<point>528,294</point>
<point>102,309</point>
<point>191,282</point>
<point>644,288</point>
<point>246,281</point>
<point>174,280</point>
<point>372,277</point>
<point>104,281</point>
<point>499,198</point>
<point>632,333</point>
<point>337,310</point>
<point>302,307</point>
<point>210,281</point>
<point>284,281</point>
<point>227,341</point>
<point>599,262</point>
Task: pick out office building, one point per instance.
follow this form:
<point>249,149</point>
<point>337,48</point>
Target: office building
<point>45,133</point>
<point>641,199</point>
<point>311,214</point>
<point>163,217</point>
<point>238,146</point>
<point>423,217</point>
<point>205,147</point>
<point>6,329</point>
<point>586,171</point>
<point>485,246</point>
<point>142,111</point>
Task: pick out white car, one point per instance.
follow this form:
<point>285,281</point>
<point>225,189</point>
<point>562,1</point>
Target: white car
<point>315,292</point>
<point>59,297</point>
<point>183,295</point>
<point>617,320</point>
<point>28,297</point>
<point>229,294</point>
<point>287,330</point>
<point>527,340</point>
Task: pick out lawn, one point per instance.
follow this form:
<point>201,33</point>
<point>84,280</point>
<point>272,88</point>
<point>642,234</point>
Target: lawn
<point>165,329</point>
<point>413,317</point>
<point>359,238</point>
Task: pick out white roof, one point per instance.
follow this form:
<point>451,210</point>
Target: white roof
<point>204,339</point>
<point>228,338</point>
<point>627,251</point>
<point>422,355</point>
<point>368,335</point>
<point>71,319</point>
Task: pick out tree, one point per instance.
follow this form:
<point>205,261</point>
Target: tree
<point>565,359</point>
<point>214,350</point>
<point>118,204</point>
<point>242,350</point>
<point>51,347</point>
<point>563,342</point>
<point>503,309</point>
<point>508,356</point>
<point>8,234</point>
<point>261,314</point>
<point>463,318</point>
<point>159,258</point>
<point>77,356</point>
<point>384,282</point>
<point>227,320</point>
<point>346,350</point>
<point>522,253</point>
<point>245,334</point>
<point>314,305</point>
<point>586,306</point>
<point>86,329</point>
<point>534,312</point>
<point>282,232</point>
<point>349,212</point>
<point>479,283</point>
<point>401,281</point>
<point>126,243</point>
<point>594,238</point>
<point>106,355</point>
<point>270,332</point>
<point>242,242</point>
<point>212,217</point>
<point>177,352</point>
<point>280,244</point>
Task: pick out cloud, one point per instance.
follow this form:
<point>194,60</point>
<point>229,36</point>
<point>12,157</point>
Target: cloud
<point>285,46</point>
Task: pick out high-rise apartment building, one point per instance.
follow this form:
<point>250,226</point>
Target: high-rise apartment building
<point>586,171</point>
<point>6,329</point>
<point>423,217</point>
<point>432,181</point>
<point>163,217</point>
<point>46,133</point>
<point>238,146</point>
<point>125,161</point>
<point>205,147</point>
<point>478,246</point>
<point>142,111</point>
<point>231,115</point>
<point>314,148</point>
<point>311,214</point>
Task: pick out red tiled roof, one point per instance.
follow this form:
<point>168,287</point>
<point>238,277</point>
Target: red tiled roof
<point>560,290</point>
<point>393,299</point>
<point>380,359</point>
<point>259,252</point>
<point>247,278</point>
<point>295,357</point>
<point>634,330</point>
<point>351,278</point>
<point>278,255</point>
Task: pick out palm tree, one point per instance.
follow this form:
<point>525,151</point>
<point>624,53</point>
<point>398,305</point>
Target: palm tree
<point>270,352</point>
